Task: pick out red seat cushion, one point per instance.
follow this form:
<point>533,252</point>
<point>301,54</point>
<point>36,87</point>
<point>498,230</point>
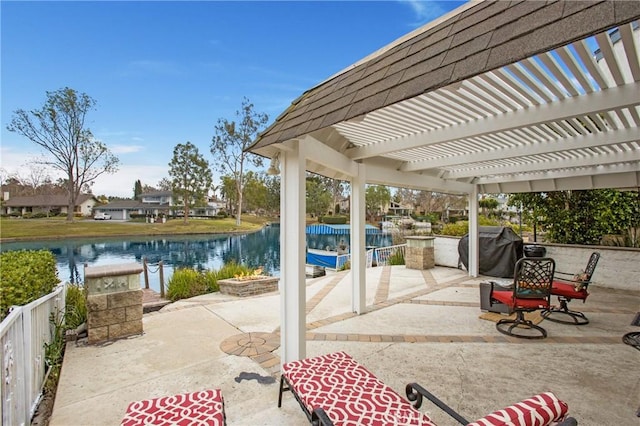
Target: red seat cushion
<point>203,407</point>
<point>540,410</point>
<point>348,392</point>
<point>568,290</point>
<point>506,297</point>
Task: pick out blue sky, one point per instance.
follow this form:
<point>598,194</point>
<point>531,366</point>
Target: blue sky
<point>163,72</point>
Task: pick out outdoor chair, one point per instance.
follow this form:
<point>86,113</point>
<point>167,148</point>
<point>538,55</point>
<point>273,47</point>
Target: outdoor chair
<point>532,280</point>
<point>335,389</point>
<point>569,287</point>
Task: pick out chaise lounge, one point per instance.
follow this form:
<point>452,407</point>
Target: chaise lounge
<point>334,389</point>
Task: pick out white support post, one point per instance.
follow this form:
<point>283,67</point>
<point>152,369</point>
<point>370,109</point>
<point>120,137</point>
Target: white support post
<point>358,241</point>
<point>474,246</point>
<point>292,255</point>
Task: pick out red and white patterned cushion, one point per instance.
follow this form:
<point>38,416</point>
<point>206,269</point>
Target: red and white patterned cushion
<point>203,408</point>
<point>348,392</point>
<point>540,410</point>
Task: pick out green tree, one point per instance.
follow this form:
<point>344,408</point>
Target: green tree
<point>191,176</point>
<point>164,185</point>
<point>318,197</point>
<point>229,147</point>
<point>488,205</point>
<point>255,192</point>
<point>272,202</point>
<point>581,217</point>
<point>137,189</point>
<point>376,198</point>
<point>59,128</point>
<point>228,191</point>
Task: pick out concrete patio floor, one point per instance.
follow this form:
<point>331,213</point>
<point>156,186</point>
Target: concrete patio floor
<point>421,326</point>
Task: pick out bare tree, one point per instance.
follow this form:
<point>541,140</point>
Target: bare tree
<point>229,145</point>
<point>59,128</point>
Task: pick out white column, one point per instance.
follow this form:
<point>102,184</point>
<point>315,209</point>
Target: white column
<point>473,233</point>
<point>358,241</point>
<point>292,255</point>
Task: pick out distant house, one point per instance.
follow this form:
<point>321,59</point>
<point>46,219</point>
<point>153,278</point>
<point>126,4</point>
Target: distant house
<point>49,204</point>
<point>154,204</point>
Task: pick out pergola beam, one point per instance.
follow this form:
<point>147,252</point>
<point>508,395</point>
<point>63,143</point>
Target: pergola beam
<point>593,103</point>
<point>515,151</point>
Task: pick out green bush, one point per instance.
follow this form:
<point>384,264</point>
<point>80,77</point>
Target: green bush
<point>25,275</point>
<point>233,269</point>
<point>75,306</point>
<point>396,258</point>
<point>334,220</point>
<point>211,281</point>
<point>185,283</point>
<point>461,228</point>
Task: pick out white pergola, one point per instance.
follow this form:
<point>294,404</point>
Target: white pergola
<point>561,114</point>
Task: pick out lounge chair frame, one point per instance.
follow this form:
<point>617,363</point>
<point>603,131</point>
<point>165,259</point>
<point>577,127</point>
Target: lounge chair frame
<point>310,373</point>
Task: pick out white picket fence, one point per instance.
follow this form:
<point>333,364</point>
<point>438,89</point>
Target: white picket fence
<point>23,334</point>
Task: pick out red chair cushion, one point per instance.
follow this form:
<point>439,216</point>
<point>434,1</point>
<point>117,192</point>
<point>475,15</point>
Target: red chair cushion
<point>203,407</point>
<point>348,392</point>
<point>506,297</point>
<point>568,290</point>
<point>540,410</point>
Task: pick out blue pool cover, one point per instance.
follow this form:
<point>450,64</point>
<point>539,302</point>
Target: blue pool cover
<point>338,229</point>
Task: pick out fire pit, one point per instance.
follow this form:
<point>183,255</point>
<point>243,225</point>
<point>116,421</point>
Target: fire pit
<point>249,284</point>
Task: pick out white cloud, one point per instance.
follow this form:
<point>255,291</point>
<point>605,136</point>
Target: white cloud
<point>121,183</point>
<point>425,11</point>
<point>126,149</point>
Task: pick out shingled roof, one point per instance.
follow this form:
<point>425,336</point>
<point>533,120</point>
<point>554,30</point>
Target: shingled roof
<point>472,40</point>
<point>44,200</point>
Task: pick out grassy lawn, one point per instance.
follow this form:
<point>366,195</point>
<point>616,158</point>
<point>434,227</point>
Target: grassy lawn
<point>20,229</point>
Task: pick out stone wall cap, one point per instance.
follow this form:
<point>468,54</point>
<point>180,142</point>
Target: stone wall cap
<point>111,270</point>
<point>419,237</point>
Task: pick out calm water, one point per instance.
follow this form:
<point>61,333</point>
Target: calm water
<point>202,252</point>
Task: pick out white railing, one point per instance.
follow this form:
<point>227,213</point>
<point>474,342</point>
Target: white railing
<point>379,256</point>
<point>23,334</point>
<point>382,254</point>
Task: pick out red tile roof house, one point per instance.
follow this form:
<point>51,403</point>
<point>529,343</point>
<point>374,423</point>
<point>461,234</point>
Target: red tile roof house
<point>50,204</point>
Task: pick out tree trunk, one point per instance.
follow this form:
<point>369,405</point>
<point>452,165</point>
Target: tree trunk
<point>239,212</point>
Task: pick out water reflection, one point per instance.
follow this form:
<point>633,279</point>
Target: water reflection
<point>202,252</point>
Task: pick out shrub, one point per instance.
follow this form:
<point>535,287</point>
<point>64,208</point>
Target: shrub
<point>185,283</point>
<point>25,275</point>
<point>75,306</point>
<point>334,220</point>
<point>211,281</point>
<point>233,269</point>
<point>396,258</point>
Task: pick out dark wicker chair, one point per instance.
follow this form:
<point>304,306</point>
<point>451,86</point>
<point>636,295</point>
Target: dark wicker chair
<point>532,281</point>
<point>568,287</point>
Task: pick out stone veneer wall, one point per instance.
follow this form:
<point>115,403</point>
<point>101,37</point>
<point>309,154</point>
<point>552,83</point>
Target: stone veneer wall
<point>114,302</point>
<point>250,287</point>
<point>419,257</point>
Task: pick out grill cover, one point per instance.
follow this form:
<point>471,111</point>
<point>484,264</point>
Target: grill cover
<point>500,249</point>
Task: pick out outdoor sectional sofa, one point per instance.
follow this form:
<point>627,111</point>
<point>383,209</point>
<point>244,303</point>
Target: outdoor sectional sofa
<point>335,389</point>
